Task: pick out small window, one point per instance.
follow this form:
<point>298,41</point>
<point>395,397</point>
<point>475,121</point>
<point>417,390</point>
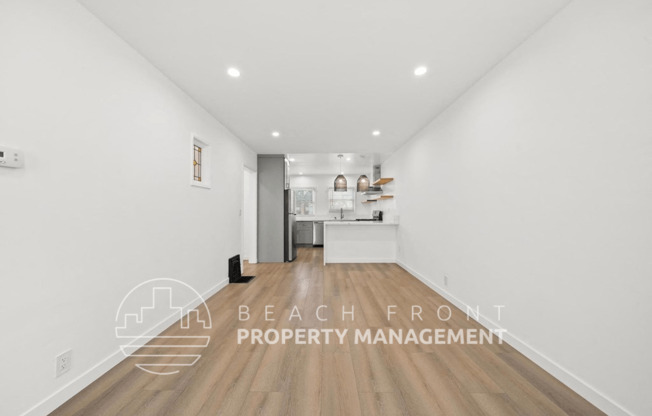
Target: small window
<point>200,163</point>
<point>197,164</point>
<point>341,200</point>
<point>304,201</point>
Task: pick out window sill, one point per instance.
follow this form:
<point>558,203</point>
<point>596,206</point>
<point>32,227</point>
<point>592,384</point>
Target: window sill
<point>201,184</point>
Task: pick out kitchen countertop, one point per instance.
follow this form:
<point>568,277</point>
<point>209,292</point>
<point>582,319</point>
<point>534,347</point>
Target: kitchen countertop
<point>365,223</point>
<point>322,218</point>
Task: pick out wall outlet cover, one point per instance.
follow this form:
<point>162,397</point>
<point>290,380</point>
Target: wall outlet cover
<point>11,158</point>
<point>63,362</point>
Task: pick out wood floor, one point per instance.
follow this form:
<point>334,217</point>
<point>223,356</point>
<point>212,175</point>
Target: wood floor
<point>333,379</point>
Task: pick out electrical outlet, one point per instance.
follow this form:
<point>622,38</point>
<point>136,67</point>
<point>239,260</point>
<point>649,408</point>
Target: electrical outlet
<point>64,361</point>
<point>445,280</point>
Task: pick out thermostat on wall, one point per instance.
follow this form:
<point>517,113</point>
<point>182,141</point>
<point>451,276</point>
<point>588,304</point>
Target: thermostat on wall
<point>10,158</point>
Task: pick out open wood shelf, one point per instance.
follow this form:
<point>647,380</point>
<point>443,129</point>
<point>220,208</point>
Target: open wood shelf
<point>382,181</point>
<point>369,201</point>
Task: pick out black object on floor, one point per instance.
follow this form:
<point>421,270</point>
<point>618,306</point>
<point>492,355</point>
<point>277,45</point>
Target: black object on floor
<point>235,275</point>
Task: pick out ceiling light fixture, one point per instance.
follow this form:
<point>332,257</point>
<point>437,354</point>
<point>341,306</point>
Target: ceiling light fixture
<point>291,159</point>
<point>340,180</point>
<point>348,159</point>
<point>300,173</point>
<point>420,70</point>
<point>363,184</point>
<point>276,134</point>
<point>376,132</point>
<point>234,72</point>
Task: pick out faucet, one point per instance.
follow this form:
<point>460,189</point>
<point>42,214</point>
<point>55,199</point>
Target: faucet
<point>341,213</point>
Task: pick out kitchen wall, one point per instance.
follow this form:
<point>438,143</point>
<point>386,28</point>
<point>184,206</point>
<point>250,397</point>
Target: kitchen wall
<point>534,191</point>
<point>321,183</point>
<point>104,201</point>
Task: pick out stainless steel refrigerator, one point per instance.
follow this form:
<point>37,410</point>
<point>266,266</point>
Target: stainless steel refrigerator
<point>290,226</point>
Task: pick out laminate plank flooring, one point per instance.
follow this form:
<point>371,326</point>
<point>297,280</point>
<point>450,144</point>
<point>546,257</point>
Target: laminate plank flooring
<point>333,379</point>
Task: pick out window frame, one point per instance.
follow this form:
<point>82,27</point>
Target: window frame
<point>350,190</point>
<point>205,172</point>
<point>314,201</point>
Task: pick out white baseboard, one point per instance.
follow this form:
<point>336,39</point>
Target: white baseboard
<point>252,260</point>
<point>62,395</point>
<point>598,399</point>
<point>359,260</point>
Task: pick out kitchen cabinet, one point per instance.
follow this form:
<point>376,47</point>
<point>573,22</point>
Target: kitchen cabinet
<point>318,233</point>
<point>304,232</point>
<point>360,242</point>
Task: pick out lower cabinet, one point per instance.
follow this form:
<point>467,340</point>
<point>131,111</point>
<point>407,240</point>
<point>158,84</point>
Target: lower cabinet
<point>304,232</point>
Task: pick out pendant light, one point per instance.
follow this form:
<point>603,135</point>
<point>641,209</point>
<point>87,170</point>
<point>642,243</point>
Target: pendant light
<point>363,183</point>
<point>340,180</point>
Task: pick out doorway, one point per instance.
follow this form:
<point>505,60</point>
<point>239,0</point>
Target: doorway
<point>249,217</point>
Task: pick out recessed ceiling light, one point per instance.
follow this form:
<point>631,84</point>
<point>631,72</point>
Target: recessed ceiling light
<point>420,70</point>
<point>276,134</point>
<point>348,159</point>
<point>300,173</point>
<point>376,132</point>
<point>234,72</point>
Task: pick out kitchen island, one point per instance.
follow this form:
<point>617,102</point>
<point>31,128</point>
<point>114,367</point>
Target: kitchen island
<point>359,242</point>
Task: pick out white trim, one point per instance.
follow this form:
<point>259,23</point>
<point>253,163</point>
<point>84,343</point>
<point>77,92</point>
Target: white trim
<point>575,383</point>
<point>206,157</point>
<point>249,174</point>
<point>66,392</point>
<point>251,260</point>
<point>199,184</point>
<point>294,201</point>
<point>360,260</point>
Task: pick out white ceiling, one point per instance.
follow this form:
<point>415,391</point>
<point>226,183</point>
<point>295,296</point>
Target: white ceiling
<point>329,163</point>
<point>325,74</point>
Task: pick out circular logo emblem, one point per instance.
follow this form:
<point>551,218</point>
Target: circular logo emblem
<point>164,325</point>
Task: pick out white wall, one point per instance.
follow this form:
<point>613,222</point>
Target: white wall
<point>321,183</point>
<point>534,190</point>
<point>250,217</point>
<point>104,200</point>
